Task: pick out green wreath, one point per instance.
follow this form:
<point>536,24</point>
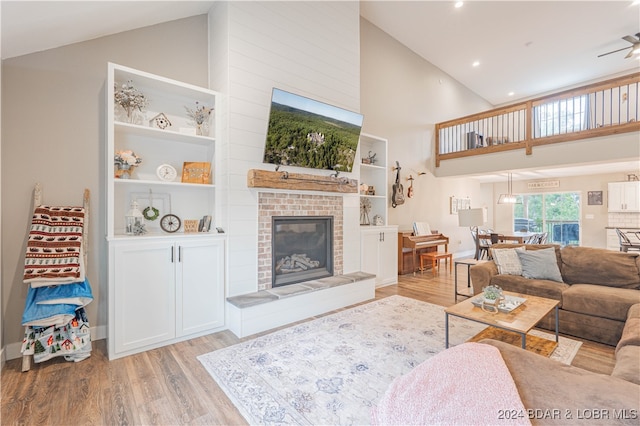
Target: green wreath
<point>154,216</point>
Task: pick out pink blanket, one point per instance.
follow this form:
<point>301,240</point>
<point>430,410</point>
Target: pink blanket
<point>466,384</point>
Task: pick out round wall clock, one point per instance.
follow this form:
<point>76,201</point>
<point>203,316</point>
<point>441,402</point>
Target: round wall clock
<point>170,223</point>
<point>166,172</point>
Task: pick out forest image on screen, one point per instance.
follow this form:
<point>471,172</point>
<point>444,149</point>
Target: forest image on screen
<point>306,133</point>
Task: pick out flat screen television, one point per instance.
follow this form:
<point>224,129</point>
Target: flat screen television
<point>307,133</point>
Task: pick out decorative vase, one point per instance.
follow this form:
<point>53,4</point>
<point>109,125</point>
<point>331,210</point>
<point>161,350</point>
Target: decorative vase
<point>202,129</point>
<point>123,171</point>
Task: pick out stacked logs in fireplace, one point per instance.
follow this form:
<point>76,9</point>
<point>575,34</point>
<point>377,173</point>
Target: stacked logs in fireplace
<point>295,263</point>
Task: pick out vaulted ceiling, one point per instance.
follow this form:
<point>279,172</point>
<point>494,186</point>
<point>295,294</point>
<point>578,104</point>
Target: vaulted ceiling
<point>527,48</point>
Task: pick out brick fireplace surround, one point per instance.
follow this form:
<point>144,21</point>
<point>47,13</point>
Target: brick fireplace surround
<point>285,204</point>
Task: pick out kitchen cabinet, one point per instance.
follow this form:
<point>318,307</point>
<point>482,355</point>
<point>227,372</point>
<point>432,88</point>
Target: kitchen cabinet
<point>624,197</point>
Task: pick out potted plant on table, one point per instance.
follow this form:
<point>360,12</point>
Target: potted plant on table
<point>492,294</point>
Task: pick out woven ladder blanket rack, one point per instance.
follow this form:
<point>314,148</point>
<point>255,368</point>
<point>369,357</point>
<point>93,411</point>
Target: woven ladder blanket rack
<point>84,295</point>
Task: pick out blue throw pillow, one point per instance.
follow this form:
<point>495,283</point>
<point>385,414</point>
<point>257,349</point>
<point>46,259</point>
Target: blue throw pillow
<point>540,264</point>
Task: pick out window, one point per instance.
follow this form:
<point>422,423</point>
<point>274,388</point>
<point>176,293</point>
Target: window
<point>557,214</point>
<point>561,116</point>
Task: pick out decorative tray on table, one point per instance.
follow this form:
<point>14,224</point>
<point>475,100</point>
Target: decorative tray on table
<point>507,305</point>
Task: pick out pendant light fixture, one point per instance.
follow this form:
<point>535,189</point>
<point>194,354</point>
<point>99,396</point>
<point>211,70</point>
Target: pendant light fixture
<point>509,197</point>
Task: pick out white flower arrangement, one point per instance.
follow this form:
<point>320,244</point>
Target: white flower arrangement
<point>130,98</point>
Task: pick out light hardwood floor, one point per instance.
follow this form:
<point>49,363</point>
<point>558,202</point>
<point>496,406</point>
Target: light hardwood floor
<point>169,386</point>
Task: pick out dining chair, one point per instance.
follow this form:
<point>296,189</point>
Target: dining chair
<point>534,239</point>
<point>481,244</point>
<point>625,242</point>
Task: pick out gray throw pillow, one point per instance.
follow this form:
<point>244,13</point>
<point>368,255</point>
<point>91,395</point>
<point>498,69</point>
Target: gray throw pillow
<point>540,264</point>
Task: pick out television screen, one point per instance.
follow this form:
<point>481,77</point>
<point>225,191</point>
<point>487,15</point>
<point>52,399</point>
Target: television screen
<point>303,132</point>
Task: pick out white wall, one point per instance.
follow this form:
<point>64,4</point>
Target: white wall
<point>309,48</point>
<point>54,132</point>
<point>402,97</point>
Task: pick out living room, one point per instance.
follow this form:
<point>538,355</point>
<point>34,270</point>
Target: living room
<point>369,72</point>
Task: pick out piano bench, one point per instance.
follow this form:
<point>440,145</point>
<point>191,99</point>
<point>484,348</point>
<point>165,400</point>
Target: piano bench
<point>434,257</point>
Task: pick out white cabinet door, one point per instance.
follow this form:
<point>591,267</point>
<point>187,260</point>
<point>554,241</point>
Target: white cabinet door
<point>615,197</point>
<point>388,255</point>
<point>379,253</point>
<point>144,295</point>
<point>199,286</point>
<point>632,196</point>
<point>369,261</point>
<point>624,197</point>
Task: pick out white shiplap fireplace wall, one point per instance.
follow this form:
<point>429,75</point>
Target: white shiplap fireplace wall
<point>309,48</point>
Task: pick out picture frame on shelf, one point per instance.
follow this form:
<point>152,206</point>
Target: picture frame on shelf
<point>196,172</point>
<point>190,226</point>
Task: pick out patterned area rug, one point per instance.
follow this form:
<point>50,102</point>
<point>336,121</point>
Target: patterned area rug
<point>333,369</point>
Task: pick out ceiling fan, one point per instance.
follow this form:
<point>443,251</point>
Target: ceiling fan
<point>635,46</point>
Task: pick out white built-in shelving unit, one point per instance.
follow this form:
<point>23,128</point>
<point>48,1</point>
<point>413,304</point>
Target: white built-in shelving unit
<point>163,286</point>
<point>378,242</point>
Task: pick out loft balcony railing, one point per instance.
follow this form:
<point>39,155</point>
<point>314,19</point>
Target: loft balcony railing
<point>599,109</point>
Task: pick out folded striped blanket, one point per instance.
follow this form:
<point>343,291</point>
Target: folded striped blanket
<point>54,248</point>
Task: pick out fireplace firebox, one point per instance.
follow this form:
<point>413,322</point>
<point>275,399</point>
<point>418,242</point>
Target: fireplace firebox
<point>302,249</point>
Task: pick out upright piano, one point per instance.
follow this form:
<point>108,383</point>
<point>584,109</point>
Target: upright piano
<point>410,246</point>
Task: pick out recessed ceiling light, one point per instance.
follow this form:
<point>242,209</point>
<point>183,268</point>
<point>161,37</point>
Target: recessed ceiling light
<point>511,93</point>
<point>476,63</point>
<point>459,4</point>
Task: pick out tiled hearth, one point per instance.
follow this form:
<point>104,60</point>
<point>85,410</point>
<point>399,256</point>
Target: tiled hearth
<point>288,204</point>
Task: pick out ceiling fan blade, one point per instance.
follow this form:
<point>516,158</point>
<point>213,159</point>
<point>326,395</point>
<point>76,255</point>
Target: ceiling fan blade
<point>630,54</point>
<point>614,51</point>
<point>631,39</point>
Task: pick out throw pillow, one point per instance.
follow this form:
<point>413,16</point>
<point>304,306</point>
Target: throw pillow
<point>540,264</point>
<point>507,260</point>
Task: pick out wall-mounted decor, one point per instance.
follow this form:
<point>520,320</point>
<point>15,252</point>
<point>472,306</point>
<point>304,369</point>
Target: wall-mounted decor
<point>544,184</point>
<point>594,198</point>
<point>457,204</point>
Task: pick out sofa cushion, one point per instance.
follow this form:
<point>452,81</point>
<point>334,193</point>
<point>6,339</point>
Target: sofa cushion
<point>540,264</point>
<point>507,260</point>
<point>600,301</point>
<point>627,366</point>
<point>631,330</point>
<point>587,265</point>
<point>540,288</point>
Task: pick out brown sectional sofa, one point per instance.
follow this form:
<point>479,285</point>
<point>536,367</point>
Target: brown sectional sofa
<point>558,394</point>
<point>599,288</point>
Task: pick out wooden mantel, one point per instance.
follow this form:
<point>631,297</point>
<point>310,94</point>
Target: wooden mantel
<point>257,178</point>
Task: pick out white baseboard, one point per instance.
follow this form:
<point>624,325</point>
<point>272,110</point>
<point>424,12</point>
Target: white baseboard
<point>13,349</point>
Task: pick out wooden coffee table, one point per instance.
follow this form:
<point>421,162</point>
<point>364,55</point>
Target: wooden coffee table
<point>521,320</point>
